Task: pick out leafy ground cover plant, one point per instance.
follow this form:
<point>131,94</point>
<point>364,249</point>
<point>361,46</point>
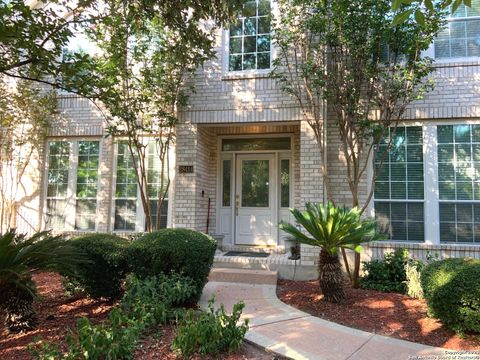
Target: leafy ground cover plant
<point>19,256</point>
<point>146,303</point>
<point>210,332</point>
<point>331,228</point>
<point>452,290</point>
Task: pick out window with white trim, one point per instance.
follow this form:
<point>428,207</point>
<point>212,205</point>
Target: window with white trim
<point>87,185</point>
<point>448,170</point>
<point>458,148</point>
<point>57,184</point>
<point>399,186</point>
<point>72,183</point>
<point>249,38</point>
<point>129,214</point>
<point>461,36</point>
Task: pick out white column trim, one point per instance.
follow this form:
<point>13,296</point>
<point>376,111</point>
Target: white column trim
<point>431,216</point>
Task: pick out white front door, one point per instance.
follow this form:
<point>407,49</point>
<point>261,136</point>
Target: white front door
<point>255,200</point>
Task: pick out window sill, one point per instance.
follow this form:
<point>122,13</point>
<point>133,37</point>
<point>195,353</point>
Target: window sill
<point>246,75</point>
<point>422,245</point>
<point>453,62</point>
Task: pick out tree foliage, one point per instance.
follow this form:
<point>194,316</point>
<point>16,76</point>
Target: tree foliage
<point>404,11</point>
<point>147,53</point>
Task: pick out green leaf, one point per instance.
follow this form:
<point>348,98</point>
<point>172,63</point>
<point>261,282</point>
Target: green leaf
<point>456,4</point>
<point>396,4</point>
<point>429,5</point>
<point>400,18</point>
<point>467,3</point>
<point>419,17</point>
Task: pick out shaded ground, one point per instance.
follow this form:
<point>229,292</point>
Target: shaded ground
<point>58,312</point>
<point>388,314</point>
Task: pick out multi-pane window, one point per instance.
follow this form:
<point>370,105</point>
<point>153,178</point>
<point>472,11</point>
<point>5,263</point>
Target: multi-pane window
<point>459,182</point>
<point>399,186</point>
<point>72,182</point>
<point>125,190</point>
<point>87,184</point>
<point>127,215</point>
<point>57,183</point>
<point>461,36</point>
<point>249,42</point>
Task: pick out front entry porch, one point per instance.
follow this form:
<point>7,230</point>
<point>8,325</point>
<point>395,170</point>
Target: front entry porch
<point>255,185</point>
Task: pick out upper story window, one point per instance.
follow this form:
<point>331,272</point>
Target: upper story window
<point>249,42</point>
<point>461,36</point>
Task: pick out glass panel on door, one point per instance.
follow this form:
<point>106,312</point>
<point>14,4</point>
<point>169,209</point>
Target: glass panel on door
<point>255,183</point>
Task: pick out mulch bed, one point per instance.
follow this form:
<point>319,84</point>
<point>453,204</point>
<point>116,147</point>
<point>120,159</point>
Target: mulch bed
<point>57,313</point>
<point>388,314</point>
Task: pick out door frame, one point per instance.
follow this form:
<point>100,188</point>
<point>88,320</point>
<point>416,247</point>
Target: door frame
<point>229,239</point>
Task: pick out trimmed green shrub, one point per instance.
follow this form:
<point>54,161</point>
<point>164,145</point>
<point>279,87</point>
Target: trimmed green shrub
<point>211,331</point>
<point>104,275</point>
<point>182,251</point>
<point>387,274</point>
<point>452,290</point>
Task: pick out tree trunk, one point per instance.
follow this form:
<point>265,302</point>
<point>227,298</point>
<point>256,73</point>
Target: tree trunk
<point>330,277</point>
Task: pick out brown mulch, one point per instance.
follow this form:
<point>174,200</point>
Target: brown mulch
<point>388,314</point>
<point>57,313</point>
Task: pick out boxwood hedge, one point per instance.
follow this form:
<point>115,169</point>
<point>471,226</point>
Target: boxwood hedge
<point>103,276</point>
<point>182,251</point>
<point>452,290</point>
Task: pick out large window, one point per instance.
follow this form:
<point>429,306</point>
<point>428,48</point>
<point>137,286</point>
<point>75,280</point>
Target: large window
<point>459,182</point>
<point>72,182</point>
<point>428,184</point>
<point>129,215</point>
<point>57,183</point>
<point>461,36</point>
<point>249,41</point>
<point>87,184</point>
<point>399,187</point>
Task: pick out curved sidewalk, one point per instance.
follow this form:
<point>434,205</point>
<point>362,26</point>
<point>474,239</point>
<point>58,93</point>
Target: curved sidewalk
<point>295,334</point>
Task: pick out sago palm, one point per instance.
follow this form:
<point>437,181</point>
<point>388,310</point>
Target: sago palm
<point>20,256</point>
<point>331,228</point>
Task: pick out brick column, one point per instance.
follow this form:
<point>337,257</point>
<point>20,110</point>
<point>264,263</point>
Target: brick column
<point>311,182</point>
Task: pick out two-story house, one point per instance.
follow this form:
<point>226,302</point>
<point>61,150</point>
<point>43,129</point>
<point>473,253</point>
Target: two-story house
<point>244,155</point>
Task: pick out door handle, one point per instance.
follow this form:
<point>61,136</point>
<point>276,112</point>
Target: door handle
<point>237,204</point>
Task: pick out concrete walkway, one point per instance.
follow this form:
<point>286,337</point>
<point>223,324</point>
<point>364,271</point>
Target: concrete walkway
<point>295,334</point>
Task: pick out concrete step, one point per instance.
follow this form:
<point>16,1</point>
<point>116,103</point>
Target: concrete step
<point>260,277</point>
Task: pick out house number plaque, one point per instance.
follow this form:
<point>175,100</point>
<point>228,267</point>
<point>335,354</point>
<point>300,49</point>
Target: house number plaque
<point>185,169</point>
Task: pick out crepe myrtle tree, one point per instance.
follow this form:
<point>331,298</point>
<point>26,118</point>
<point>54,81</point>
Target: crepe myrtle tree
<point>147,52</point>
<point>347,57</point>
